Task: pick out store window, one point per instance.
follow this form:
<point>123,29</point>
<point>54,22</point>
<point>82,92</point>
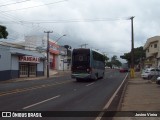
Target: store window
<point>27,70</point>
<point>32,70</point>
<point>23,70</point>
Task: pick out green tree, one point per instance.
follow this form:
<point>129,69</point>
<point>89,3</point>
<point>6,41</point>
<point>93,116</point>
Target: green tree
<point>68,47</point>
<point>139,54</point>
<point>115,61</point>
<point>106,59</point>
<point>3,32</point>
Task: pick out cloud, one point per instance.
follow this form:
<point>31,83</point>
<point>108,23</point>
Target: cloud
<point>112,36</point>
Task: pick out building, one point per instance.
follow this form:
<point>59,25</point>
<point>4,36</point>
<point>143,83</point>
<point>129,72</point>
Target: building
<point>152,52</point>
<point>57,53</point>
<point>16,62</point>
<point>53,55</point>
<point>62,59</point>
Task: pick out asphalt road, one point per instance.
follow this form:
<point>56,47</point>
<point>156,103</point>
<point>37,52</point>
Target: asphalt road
<point>60,93</point>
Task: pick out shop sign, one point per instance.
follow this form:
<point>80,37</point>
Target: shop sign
<point>30,59</point>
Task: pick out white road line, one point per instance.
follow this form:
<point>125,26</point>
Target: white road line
<point>41,102</point>
<point>111,99</point>
<point>90,84</point>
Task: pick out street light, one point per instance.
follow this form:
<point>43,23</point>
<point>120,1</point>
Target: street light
<point>56,42</point>
<point>48,32</point>
<point>60,38</point>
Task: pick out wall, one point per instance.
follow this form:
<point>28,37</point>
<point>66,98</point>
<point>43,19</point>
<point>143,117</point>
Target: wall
<point>14,66</point>
<point>5,58</point>
<point>5,63</point>
<point>61,65</point>
<point>40,68</point>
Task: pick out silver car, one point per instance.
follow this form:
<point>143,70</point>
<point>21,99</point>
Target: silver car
<point>150,72</point>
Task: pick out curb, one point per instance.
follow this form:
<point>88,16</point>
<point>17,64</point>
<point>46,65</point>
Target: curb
<point>123,94</point>
<point>27,79</point>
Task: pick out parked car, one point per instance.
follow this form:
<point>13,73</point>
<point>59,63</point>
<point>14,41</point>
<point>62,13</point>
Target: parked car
<point>150,72</point>
<point>158,80</point>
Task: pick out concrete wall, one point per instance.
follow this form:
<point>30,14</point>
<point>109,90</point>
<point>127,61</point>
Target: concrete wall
<point>61,64</point>
<point>40,68</point>
<point>5,57</point>
<point>14,62</point>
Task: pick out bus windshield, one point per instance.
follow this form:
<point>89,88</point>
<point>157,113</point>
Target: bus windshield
<point>81,57</point>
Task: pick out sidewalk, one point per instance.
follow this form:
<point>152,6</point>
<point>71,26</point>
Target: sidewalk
<point>140,95</point>
<point>52,73</point>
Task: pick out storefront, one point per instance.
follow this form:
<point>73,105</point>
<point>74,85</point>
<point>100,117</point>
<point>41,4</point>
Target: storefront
<point>28,66</point>
<point>16,63</point>
<point>54,52</point>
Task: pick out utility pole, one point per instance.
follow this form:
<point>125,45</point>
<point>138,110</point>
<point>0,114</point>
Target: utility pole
<point>132,49</point>
<point>48,51</point>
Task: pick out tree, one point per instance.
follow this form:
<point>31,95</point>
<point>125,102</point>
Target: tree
<point>3,32</point>
<point>115,61</point>
<point>109,64</point>
<point>68,52</point>
<point>68,49</point>
<point>106,58</point>
<point>139,54</point>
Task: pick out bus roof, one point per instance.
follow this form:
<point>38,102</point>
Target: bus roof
<point>88,49</point>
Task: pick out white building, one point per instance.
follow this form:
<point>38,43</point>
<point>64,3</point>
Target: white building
<point>16,62</point>
<point>152,48</point>
<point>57,56</point>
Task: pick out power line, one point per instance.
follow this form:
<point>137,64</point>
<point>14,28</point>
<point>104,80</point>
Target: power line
<point>18,21</point>
<point>71,20</point>
<point>76,20</point>
<point>14,3</point>
<point>34,6</point>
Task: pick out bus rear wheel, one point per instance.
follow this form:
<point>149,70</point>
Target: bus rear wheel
<point>96,76</point>
<point>102,76</point>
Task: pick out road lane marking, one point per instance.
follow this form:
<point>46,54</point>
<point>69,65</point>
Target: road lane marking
<point>31,88</point>
<point>41,102</point>
<point>90,84</point>
<point>110,100</point>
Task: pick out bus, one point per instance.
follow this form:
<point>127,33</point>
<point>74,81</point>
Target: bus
<point>87,64</point>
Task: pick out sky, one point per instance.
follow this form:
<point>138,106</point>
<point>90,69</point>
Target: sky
<point>102,24</point>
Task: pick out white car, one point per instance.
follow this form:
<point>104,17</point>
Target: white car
<point>158,80</point>
<point>149,72</point>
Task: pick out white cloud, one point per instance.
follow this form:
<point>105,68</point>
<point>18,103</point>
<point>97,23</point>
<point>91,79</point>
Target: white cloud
<point>112,37</point>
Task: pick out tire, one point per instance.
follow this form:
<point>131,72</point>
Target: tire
<point>158,82</point>
<point>102,76</point>
<point>96,76</point>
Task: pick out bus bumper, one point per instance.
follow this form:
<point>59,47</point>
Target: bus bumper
<point>82,75</point>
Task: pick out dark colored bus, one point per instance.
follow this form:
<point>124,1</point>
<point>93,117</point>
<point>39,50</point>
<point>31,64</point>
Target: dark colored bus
<point>87,64</point>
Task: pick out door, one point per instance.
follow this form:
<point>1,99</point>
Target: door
<point>23,70</point>
<point>32,70</point>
